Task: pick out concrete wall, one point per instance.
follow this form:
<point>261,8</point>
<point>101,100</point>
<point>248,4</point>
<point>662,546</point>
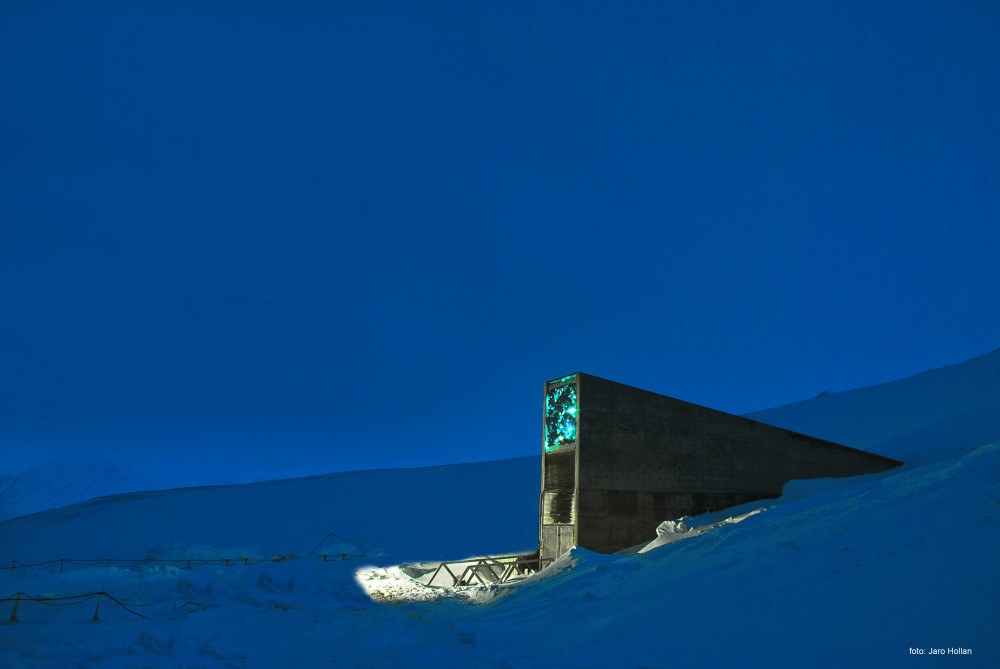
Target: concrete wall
<point>642,458</point>
<point>557,520</point>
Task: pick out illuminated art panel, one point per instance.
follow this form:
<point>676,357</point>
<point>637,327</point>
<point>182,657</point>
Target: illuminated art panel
<point>560,413</point>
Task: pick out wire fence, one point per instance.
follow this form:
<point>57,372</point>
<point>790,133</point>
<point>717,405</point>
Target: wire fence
<point>20,598</point>
<point>188,562</point>
<point>97,597</point>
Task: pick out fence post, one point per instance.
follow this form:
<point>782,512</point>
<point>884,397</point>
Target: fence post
<point>97,610</point>
<point>13,614</point>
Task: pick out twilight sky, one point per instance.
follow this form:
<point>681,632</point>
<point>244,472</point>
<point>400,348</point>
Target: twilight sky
<point>283,238</point>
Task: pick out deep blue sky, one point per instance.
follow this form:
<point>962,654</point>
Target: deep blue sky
<point>288,238</point>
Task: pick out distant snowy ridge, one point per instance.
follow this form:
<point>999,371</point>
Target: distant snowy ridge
<point>936,414</point>
<point>378,508</point>
<point>69,480</point>
<point>65,481</point>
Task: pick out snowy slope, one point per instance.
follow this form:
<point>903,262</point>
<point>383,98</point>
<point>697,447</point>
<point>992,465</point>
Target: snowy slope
<point>847,578</point>
<point>961,401</point>
<point>850,577</point>
<point>66,481</point>
<point>407,514</point>
<point>846,572</point>
<point>71,479</point>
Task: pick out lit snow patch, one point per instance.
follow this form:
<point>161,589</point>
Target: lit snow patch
<point>428,581</point>
<point>391,585</point>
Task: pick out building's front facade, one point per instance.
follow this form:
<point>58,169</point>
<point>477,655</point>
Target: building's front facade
<point>617,461</point>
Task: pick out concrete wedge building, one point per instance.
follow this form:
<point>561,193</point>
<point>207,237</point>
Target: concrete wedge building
<point>618,460</point>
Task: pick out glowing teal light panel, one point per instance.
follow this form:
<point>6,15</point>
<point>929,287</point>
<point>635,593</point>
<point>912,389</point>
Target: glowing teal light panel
<point>560,413</point>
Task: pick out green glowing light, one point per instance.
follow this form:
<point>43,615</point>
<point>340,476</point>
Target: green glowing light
<point>560,414</point>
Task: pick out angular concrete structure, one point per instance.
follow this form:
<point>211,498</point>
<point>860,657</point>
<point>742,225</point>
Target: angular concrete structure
<point>618,460</point>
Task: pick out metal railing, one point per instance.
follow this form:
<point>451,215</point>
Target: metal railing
<point>488,570</point>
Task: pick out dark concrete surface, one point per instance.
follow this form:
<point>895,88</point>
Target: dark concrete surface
<point>641,458</point>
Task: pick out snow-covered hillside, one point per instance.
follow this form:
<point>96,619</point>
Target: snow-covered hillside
<point>404,513</point>
<point>936,414</point>
<point>66,481</point>
<point>73,479</point>
<point>864,571</point>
